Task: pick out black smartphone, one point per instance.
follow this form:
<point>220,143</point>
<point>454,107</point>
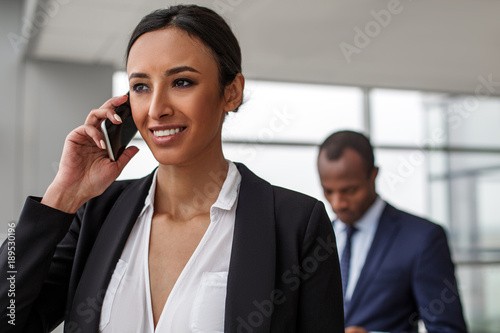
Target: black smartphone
<point>117,137</point>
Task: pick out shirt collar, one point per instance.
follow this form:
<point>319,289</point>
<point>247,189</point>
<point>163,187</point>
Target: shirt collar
<point>149,201</point>
<point>369,221</point>
<point>229,191</point>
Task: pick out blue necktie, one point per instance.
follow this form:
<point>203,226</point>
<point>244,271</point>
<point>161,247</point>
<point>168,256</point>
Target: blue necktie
<point>346,257</point>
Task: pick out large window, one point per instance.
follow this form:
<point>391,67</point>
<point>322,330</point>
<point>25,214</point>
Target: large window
<point>439,157</point>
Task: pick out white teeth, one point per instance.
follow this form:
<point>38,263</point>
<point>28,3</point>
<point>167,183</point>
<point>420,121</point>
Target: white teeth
<point>166,132</point>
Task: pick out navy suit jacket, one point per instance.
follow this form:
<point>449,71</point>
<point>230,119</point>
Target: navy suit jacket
<point>408,274</point>
<point>283,275</point>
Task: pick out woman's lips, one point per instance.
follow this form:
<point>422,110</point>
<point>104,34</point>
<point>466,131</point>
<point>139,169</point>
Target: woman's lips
<point>166,135</point>
<point>168,132</point>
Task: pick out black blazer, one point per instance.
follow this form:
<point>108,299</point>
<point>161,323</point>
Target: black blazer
<point>283,276</point>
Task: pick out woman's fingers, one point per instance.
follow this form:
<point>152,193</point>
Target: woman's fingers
<point>106,111</point>
<point>126,156</point>
<point>79,134</point>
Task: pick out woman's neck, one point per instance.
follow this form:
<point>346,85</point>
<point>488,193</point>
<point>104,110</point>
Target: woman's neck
<point>186,191</point>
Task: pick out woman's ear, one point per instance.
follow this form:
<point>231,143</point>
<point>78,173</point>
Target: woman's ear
<point>233,93</point>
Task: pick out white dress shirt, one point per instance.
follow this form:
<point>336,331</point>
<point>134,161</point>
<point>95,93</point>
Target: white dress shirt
<point>197,300</point>
<point>360,243</point>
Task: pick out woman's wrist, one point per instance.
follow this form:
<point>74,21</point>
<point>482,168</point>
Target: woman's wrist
<point>63,199</point>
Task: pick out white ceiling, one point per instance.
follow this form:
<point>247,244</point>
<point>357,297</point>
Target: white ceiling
<point>442,45</point>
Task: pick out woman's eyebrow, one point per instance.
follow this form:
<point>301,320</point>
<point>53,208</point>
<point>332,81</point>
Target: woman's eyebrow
<point>139,75</point>
<point>168,72</point>
<point>180,69</point>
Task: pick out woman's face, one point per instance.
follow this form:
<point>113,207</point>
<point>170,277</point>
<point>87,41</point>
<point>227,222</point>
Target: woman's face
<point>175,96</point>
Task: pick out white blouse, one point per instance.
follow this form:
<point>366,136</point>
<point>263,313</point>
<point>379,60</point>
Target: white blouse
<point>197,300</point>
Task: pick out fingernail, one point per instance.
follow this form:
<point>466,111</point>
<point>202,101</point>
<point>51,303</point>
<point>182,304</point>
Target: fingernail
<point>117,117</point>
<point>103,145</point>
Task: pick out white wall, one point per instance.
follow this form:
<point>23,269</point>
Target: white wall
<point>10,125</point>
<point>42,102</point>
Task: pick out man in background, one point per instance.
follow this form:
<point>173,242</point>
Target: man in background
<point>396,267</point>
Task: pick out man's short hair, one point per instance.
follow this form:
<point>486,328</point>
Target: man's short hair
<point>335,145</point>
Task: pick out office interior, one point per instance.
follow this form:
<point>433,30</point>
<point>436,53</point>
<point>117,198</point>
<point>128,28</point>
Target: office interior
<point>421,78</point>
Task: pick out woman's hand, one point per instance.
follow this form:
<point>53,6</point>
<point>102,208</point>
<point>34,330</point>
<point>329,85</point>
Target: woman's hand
<point>85,170</point>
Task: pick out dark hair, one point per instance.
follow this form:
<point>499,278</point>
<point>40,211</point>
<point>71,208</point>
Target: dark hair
<point>335,145</point>
<point>203,23</point>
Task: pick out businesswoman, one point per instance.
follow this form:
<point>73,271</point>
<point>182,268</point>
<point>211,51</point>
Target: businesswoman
<point>201,244</point>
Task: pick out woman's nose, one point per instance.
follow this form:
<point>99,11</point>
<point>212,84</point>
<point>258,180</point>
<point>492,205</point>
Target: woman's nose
<point>160,106</point>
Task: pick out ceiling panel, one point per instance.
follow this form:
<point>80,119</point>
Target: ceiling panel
<point>440,45</point>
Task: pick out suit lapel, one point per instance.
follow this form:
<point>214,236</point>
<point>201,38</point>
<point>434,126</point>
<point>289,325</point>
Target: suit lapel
<point>108,246</point>
<point>385,234</point>
<point>251,276</point>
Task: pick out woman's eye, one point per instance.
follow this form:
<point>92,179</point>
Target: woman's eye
<point>182,83</point>
<point>140,87</point>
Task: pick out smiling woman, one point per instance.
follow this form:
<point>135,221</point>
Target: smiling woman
<point>179,92</point>
<point>201,244</point>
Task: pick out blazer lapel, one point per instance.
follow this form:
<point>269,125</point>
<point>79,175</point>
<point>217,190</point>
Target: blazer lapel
<point>251,276</point>
<point>108,246</point>
<point>386,231</point>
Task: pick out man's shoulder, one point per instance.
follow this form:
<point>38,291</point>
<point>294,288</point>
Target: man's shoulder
<point>414,234</point>
<point>408,220</point>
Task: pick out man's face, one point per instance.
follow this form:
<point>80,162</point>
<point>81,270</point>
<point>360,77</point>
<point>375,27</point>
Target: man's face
<point>347,185</point>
